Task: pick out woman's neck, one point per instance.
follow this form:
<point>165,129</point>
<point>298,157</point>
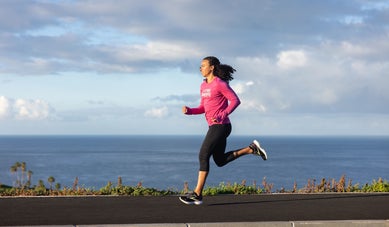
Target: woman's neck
<point>210,78</point>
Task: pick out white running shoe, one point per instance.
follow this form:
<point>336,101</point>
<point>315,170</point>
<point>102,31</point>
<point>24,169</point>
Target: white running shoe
<point>191,199</point>
<point>258,150</point>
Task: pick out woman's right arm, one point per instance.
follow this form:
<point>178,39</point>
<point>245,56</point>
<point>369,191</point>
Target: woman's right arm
<point>198,110</point>
<point>192,111</point>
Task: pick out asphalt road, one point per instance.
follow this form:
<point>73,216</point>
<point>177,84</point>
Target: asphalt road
<point>224,208</point>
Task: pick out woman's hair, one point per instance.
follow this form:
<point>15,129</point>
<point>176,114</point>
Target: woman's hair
<point>222,71</point>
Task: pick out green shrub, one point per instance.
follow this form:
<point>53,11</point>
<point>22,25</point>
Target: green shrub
<point>379,185</point>
<point>237,189</point>
<point>324,186</point>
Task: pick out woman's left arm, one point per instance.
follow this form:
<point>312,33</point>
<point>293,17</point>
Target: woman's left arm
<point>231,96</point>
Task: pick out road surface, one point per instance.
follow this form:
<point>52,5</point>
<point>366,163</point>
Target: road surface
<point>92,210</point>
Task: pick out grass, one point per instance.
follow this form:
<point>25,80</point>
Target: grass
<point>22,187</point>
<point>242,188</point>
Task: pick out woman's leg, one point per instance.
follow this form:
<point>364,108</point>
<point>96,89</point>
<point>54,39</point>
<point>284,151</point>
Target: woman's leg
<point>215,144</point>
<point>202,177</point>
<point>243,151</point>
<point>222,158</point>
<point>214,135</point>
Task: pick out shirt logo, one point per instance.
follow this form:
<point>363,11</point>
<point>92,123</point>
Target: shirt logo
<point>206,93</point>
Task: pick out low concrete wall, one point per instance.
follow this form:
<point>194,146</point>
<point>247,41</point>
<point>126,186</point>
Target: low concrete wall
<point>341,223</point>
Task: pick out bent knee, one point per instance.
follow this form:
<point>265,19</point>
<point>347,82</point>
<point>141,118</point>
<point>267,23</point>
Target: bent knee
<point>220,164</point>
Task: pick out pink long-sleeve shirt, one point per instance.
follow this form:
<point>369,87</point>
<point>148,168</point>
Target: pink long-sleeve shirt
<point>218,100</point>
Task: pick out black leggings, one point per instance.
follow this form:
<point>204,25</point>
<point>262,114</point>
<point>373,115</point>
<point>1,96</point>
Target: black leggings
<point>214,144</point>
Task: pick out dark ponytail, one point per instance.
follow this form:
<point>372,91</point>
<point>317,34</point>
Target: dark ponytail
<point>222,71</point>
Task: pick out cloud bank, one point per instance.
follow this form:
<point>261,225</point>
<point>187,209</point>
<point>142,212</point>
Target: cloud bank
<point>293,58</point>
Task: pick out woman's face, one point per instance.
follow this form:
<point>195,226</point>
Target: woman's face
<point>205,68</point>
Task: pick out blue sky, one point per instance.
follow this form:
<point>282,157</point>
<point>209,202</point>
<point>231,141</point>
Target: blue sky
<point>127,67</point>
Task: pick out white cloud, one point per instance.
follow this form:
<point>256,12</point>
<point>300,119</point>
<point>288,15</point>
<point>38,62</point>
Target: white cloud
<point>254,68</point>
<point>326,97</point>
<point>250,104</point>
<point>291,59</point>
<point>31,109</point>
<point>241,88</point>
<point>4,107</point>
<point>352,20</point>
<point>351,49</point>
<point>155,51</point>
<point>24,109</point>
<point>157,112</point>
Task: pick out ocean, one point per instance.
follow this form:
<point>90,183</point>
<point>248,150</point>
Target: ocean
<point>167,162</point>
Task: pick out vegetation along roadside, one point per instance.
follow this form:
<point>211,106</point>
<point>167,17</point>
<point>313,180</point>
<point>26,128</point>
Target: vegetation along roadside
<point>23,187</point>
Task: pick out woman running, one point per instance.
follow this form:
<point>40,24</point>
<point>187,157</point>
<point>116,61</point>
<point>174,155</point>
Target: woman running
<point>218,101</point>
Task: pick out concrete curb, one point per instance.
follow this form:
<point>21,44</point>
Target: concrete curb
<point>340,223</point>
